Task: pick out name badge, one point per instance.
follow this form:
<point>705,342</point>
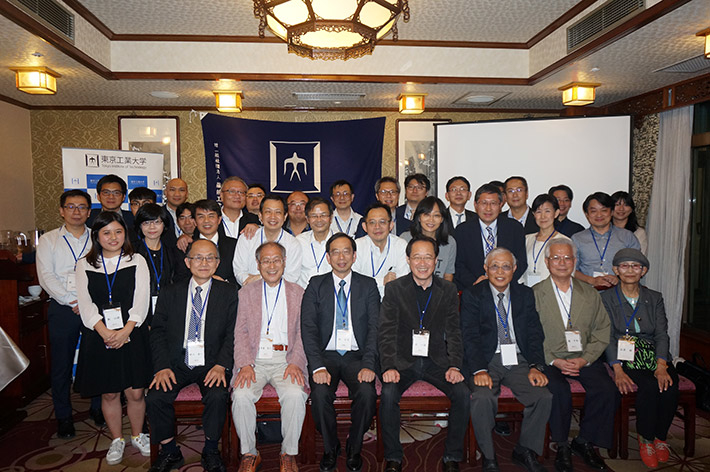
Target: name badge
<point>153,303</point>
<point>266,348</point>
<point>574,341</point>
<point>343,340</point>
<point>113,318</point>
<point>420,342</point>
<point>534,279</point>
<point>625,350</point>
<point>508,354</point>
<point>195,353</point>
<point>71,283</point>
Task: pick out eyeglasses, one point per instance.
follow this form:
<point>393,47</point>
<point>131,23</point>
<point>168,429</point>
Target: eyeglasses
<point>297,204</point>
<point>416,187</point>
<point>515,190</point>
<point>427,258</point>
<point>561,259</point>
<point>388,192</point>
<point>108,193</point>
<point>342,194</point>
<point>232,192</point>
<point>338,252</point>
<point>319,216</point>
<point>71,207</point>
<point>635,267</point>
<point>378,222</point>
<point>157,222</point>
<point>255,195</point>
<point>458,189</point>
<point>200,259</point>
<point>271,261</point>
<point>503,267</point>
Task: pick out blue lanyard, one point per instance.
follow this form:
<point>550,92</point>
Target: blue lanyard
<point>226,228</point>
<point>489,247</point>
<point>569,315</point>
<point>601,254</point>
<point>422,312</point>
<point>76,258</point>
<point>202,310</point>
<point>110,284</point>
<point>315,259</point>
<point>278,240</point>
<point>372,259</point>
<point>621,306</point>
<point>347,297</point>
<point>350,222</point>
<point>150,258</point>
<point>504,323</point>
<point>270,316</point>
<point>536,257</point>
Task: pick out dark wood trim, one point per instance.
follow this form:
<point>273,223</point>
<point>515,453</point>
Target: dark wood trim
<point>86,14</point>
<point>552,27</point>
<point>12,101</point>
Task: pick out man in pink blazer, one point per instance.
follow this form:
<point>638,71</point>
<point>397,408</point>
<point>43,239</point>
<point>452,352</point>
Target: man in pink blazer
<point>268,350</point>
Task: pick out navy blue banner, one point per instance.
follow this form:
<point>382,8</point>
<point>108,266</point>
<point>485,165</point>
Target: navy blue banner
<point>285,157</point>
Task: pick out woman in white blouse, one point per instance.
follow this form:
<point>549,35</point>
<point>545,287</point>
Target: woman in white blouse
<point>545,209</point>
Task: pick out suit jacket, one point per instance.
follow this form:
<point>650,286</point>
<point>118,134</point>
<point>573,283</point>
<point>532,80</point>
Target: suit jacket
<point>318,312</point>
<point>469,257</point>
<point>568,227</point>
<point>530,226</point>
<point>167,332</point>
<point>479,326</point>
<point>469,215</point>
<point>399,315</point>
<point>401,223</point>
<point>168,236</point>
<point>651,318</point>
<point>247,331</point>
<point>226,248</point>
<point>588,316</point>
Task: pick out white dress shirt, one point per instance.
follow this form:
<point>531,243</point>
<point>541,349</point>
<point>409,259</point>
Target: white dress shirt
<point>188,313</point>
<point>348,226</point>
<point>455,216</point>
<point>277,308</point>
<point>56,263</point>
<point>244,263</point>
<point>522,219</point>
<point>314,260</point>
<point>214,238</point>
<point>509,309</point>
<point>346,288</point>
<point>231,228</point>
<point>564,301</point>
<point>374,263</point>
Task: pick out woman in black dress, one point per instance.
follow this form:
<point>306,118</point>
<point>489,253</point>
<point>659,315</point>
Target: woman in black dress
<point>113,289</point>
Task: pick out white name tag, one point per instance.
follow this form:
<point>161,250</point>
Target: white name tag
<point>343,340</point>
<point>420,342</point>
<point>71,283</point>
<point>508,354</point>
<point>574,341</point>
<point>113,318</point>
<point>195,353</point>
<point>153,302</point>
<point>533,279</point>
<point>266,348</point>
<point>625,350</point>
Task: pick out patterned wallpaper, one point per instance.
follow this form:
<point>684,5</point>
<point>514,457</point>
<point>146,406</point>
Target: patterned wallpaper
<point>644,140</point>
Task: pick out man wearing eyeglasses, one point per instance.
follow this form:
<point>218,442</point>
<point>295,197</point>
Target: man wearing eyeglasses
<point>345,220</point>
<point>234,219</point>
<point>139,196</point>
<point>314,262</point>
<point>516,190</point>
<point>386,192</point>
<point>577,330</point>
<point>110,192</point>
<point>255,193</point>
<point>208,220</point>
<point>192,341</point>
<point>57,254</point>
<point>458,193</point>
<point>416,188</point>
<point>296,222</point>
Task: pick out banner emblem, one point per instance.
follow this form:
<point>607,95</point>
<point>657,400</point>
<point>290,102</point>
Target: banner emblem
<point>295,166</point>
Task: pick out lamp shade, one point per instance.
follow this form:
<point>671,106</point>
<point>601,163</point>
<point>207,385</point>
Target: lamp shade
<point>706,34</point>
<point>36,80</point>
<point>578,93</point>
<point>411,103</point>
<point>228,100</point>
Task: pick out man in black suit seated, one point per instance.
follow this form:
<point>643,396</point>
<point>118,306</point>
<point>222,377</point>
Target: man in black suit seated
<point>503,345</point>
<point>192,341</point>
<point>111,192</point>
<point>208,219</point>
<point>416,188</point>
<point>458,193</point>
<point>420,339</point>
<point>486,230</point>
<point>339,316</point>
<point>516,189</point>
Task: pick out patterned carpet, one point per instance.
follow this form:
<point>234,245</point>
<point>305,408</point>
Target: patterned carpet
<point>32,446</point>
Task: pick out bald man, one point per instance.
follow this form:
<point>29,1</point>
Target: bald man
<point>296,221</point>
<point>175,195</point>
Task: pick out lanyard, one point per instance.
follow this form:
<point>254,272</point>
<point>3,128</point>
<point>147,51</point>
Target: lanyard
<point>601,254</point>
<point>489,247</point>
<point>503,323</point>
<point>621,306</point>
<point>152,263</point>
<point>536,257</point>
<point>569,315</point>
<point>113,279</point>
<point>278,240</point>
<point>422,312</point>
<point>347,297</point>
<point>270,316</point>
<point>178,230</point>
<point>226,228</point>
<point>350,221</point>
<point>198,325</point>
<point>372,259</point>
<point>315,259</point>
<point>76,258</point>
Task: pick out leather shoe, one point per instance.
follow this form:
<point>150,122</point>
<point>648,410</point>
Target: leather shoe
<point>451,466</point>
<point>527,458</point>
<point>589,455</point>
<point>330,460</point>
<point>563,461</point>
<point>65,428</point>
<point>353,460</point>
<point>489,465</point>
<point>98,416</point>
<point>502,428</point>
<point>393,466</point>
<point>212,461</point>
<point>167,462</point>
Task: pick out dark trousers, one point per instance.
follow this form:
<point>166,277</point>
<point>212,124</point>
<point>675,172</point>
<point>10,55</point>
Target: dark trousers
<point>600,403</point>
<point>161,411</point>
<point>64,327</point>
<point>362,394</point>
<point>654,410</point>
<point>459,394</point>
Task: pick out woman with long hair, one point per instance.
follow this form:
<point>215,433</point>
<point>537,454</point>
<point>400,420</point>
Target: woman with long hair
<point>624,216</point>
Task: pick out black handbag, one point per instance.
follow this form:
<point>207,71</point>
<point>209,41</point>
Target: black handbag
<point>697,372</point>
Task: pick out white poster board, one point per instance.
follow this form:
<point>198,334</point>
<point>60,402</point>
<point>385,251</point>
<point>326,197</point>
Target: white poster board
<point>84,167</point>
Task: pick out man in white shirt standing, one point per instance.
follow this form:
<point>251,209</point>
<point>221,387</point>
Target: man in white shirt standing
<point>381,255</point>
<point>234,218</point>
<point>57,254</point>
<point>319,215</point>
<point>346,220</point>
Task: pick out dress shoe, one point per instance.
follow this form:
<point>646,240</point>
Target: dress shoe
<point>250,463</point>
<point>451,466</point>
<point>287,463</point>
<point>98,416</point>
<point>65,428</point>
<point>353,460</point>
<point>167,462</point>
<point>648,454</point>
<point>330,460</point>
<point>588,454</point>
<point>212,462</point>
<point>563,461</point>
<point>527,458</point>
<point>393,466</point>
<point>663,450</point>
<point>502,428</point>
<point>489,465</point>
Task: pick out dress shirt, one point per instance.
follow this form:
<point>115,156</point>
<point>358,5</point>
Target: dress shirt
<point>348,226</point>
<point>244,263</point>
<point>231,228</point>
<point>523,219</point>
<point>374,263</point>
<point>278,329</point>
<point>346,289</point>
<point>455,216</point>
<point>484,233</point>
<point>188,313</point>
<point>564,302</point>
<point>589,258</point>
<point>214,238</point>
<point>314,260</point>
<point>55,262</point>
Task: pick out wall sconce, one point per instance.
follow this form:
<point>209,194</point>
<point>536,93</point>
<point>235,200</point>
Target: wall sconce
<point>411,103</point>
<point>36,80</point>
<point>578,93</point>
<point>228,100</point>
<point>705,33</point>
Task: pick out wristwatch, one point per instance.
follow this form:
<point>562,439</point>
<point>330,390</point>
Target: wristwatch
<point>539,367</point>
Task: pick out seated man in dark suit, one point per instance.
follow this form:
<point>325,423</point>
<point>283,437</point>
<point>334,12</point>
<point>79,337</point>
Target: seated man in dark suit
<point>416,188</point>
<point>503,346</point>
<point>208,219</point>
<point>420,339</point>
<point>192,341</point>
<point>485,231</point>
<point>346,304</point>
<point>516,189</point>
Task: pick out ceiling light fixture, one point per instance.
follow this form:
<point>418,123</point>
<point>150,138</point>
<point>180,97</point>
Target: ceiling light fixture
<point>411,103</point>
<point>330,29</point>
<point>705,33</point>
<point>578,93</point>
<point>36,80</point>
<point>228,100</point>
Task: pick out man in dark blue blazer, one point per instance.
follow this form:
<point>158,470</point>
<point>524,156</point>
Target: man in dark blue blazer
<point>487,230</point>
<point>503,345</point>
<point>355,363</point>
<point>111,192</point>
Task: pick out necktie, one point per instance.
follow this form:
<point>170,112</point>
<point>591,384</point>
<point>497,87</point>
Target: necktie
<point>491,240</point>
<point>193,327</point>
<point>458,219</point>
<point>501,314</point>
<point>341,312</point>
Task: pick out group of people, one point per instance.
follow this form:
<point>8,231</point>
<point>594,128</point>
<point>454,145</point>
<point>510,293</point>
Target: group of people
<point>303,293</point>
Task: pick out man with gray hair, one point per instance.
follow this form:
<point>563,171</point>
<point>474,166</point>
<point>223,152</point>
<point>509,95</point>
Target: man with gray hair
<point>503,345</point>
<point>576,328</point>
